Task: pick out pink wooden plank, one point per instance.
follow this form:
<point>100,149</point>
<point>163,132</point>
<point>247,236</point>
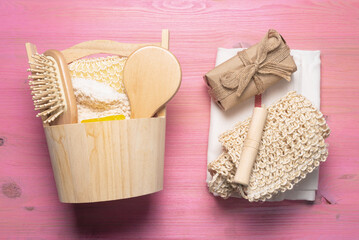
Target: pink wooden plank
<point>28,202</point>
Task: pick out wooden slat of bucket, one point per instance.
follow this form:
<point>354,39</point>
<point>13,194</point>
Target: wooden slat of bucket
<point>103,161</point>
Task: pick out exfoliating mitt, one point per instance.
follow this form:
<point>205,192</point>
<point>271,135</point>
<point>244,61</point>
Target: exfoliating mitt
<point>292,146</point>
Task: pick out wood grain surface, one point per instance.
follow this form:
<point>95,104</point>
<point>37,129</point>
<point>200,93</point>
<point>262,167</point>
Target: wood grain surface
<point>29,206</point>
<point>152,77</point>
<point>108,160</point>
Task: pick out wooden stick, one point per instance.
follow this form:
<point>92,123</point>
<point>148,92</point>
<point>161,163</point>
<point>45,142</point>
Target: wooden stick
<point>165,44</point>
<point>165,39</point>
<point>251,146</point>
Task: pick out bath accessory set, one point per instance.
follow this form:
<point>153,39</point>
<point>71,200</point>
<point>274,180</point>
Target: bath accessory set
<point>103,160</point>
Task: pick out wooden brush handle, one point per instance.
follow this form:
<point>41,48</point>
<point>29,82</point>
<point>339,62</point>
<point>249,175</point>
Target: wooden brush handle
<point>70,113</point>
<point>251,146</point>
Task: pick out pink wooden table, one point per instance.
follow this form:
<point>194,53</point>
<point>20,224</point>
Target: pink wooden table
<point>29,207</point>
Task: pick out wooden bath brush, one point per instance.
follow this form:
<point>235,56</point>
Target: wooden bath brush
<point>152,76</point>
<point>51,87</point>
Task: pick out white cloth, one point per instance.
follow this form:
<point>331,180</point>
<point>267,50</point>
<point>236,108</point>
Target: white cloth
<point>306,81</point>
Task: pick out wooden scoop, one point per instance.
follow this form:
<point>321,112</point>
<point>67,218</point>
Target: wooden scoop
<point>152,76</point>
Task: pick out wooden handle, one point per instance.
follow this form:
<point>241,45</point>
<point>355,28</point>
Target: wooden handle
<point>70,113</point>
<point>102,46</point>
<point>251,146</point>
<point>109,47</point>
<point>165,44</point>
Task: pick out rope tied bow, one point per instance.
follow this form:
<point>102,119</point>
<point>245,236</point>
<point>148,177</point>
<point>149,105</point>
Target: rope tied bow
<point>267,61</point>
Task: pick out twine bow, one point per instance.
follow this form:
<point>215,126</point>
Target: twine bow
<point>267,61</point>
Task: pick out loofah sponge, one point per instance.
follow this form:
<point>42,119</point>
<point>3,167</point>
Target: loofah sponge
<point>292,146</point>
<point>107,70</point>
<point>99,88</point>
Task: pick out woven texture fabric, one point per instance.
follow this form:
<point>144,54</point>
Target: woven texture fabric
<point>292,146</point>
<point>96,100</point>
<point>99,87</point>
<point>108,70</point>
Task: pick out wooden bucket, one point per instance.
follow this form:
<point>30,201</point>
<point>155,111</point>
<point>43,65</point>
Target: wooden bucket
<point>109,160</point>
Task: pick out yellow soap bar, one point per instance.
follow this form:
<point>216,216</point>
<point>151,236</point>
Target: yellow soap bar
<point>108,118</point>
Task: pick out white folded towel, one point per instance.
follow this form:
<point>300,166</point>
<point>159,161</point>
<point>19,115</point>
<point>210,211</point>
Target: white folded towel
<point>306,81</point>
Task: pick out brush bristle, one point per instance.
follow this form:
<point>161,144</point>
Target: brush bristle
<point>45,88</point>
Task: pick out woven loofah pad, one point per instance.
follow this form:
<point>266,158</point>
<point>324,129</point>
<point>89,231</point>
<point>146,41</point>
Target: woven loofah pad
<point>104,69</point>
<point>99,88</point>
<point>292,146</point>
